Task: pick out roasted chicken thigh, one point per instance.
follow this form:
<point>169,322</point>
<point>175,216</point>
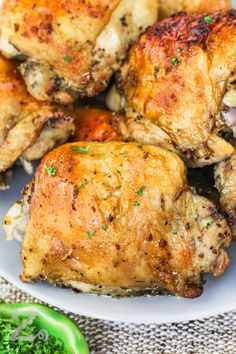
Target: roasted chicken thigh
<point>71,48</point>
<point>28,128</point>
<point>175,85</point>
<point>117,218</point>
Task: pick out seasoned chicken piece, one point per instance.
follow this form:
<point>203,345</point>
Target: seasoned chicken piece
<point>117,218</point>
<point>175,83</point>
<point>72,47</point>
<point>169,7</point>
<point>96,124</point>
<point>28,128</point>
<point>225,176</point>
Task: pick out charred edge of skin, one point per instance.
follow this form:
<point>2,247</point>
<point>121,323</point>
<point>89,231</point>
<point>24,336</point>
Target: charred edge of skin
<point>196,30</point>
<point>124,292</point>
<point>190,287</point>
<point>194,290</point>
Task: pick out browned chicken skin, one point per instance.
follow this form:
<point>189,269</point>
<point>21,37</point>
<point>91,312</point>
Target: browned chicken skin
<point>98,125</point>
<point>174,83</point>
<point>28,128</point>
<point>170,7</point>
<point>71,47</point>
<point>118,218</point>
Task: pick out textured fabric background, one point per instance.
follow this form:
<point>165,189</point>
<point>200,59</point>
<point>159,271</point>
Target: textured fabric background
<point>216,335</point>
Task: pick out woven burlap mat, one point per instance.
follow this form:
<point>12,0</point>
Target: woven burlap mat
<point>216,335</point>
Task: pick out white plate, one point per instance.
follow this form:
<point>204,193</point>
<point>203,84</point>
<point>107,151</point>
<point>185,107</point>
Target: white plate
<point>219,295</point>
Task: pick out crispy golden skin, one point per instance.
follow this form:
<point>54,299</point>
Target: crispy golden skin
<point>174,81</point>
<point>169,7</point>
<point>120,218</point>
<point>225,175</point>
<point>71,47</point>
<point>28,128</point>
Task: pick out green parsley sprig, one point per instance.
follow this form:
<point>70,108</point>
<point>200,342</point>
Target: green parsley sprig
<point>83,183</point>
<point>174,61</point>
<point>68,59</point>
<point>140,191</point>
<point>89,235</point>
<point>209,19</point>
<point>51,170</point>
<point>82,150</point>
<point>8,326</point>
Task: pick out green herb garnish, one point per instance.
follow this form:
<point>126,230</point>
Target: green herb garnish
<point>156,68</point>
<point>123,20</point>
<point>140,191</point>
<point>174,232</point>
<point>82,150</point>
<point>208,19</point>
<point>8,326</point>
<point>209,224</point>
<point>83,183</point>
<point>52,170</point>
<point>104,227</point>
<point>179,50</point>
<point>89,235</point>
<point>68,59</point>
<point>136,204</point>
<point>174,61</point>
